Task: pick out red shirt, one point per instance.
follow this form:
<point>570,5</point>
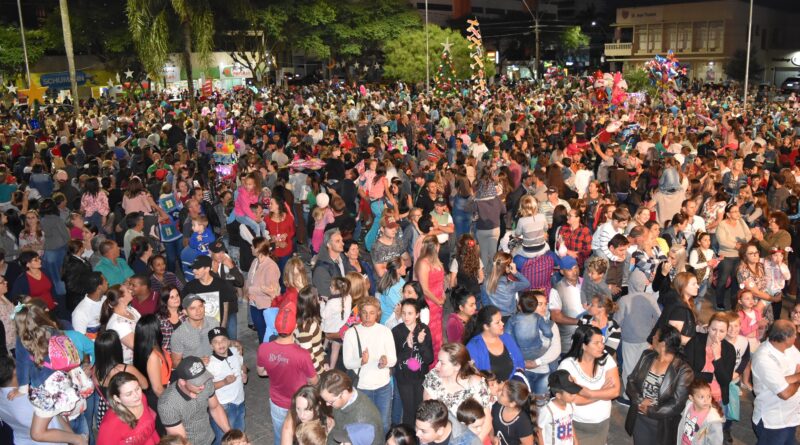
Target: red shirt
<point>41,289</point>
<point>115,431</point>
<point>148,306</point>
<point>290,296</point>
<point>282,231</point>
<point>289,367</point>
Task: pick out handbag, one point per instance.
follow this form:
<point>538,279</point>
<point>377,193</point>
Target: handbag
<point>354,375</point>
<point>732,409</point>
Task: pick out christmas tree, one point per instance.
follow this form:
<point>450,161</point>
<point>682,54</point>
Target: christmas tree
<point>444,80</point>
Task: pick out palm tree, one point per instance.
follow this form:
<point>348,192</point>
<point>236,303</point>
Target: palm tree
<point>151,23</point>
<point>70,54</point>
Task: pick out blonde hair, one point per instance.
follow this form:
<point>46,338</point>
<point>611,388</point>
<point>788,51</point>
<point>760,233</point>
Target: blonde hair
<point>34,328</point>
<point>430,251</point>
<point>359,287</point>
<point>311,433</point>
<point>295,274</point>
<point>500,264</point>
<point>597,265</point>
<point>318,213</point>
<point>680,257</point>
<point>528,206</point>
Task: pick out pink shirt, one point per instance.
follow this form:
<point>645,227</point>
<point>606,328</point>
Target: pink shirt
<point>139,203</point>
<point>290,365</point>
<point>244,199</point>
<point>95,204</point>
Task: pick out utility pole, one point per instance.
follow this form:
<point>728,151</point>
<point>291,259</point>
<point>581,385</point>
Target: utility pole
<point>536,29</point>
<point>24,44</point>
<point>427,53</point>
<point>747,63</point>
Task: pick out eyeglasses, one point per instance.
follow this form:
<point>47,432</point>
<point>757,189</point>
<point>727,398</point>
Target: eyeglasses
<point>334,400</point>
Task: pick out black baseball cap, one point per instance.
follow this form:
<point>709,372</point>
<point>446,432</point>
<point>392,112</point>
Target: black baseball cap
<point>217,246</point>
<point>192,370</point>
<point>561,381</point>
<point>200,262</point>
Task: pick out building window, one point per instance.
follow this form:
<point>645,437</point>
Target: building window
<point>654,34</point>
<point>716,34</point>
<point>700,34</point>
<point>684,37</point>
<point>640,38</point>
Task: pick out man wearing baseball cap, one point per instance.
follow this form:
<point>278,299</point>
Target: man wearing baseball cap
<point>191,337</point>
<point>185,404</point>
<point>217,293</point>
<point>223,266</point>
<point>288,366</point>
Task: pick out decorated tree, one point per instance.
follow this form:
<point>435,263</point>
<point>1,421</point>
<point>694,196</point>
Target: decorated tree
<point>445,77</point>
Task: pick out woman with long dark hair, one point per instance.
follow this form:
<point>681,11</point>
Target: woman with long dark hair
<point>467,269</point>
<point>309,332</point>
<point>390,288</point>
<point>281,228</point>
<point>140,254</point>
<point>594,370</point>
<point>117,315</point>
<point>108,364</point>
<point>170,314</point>
<point>412,343</point>
<point>430,273</point>
<point>34,281</point>
<point>307,406</point>
<point>55,247</point>
<point>131,420</point>
<point>490,347</point>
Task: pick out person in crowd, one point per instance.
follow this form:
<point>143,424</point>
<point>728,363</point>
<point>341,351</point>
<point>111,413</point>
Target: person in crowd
<point>752,277</point>
<point>229,375</point>
<point>678,303</point>
<point>34,282</point>
<point>131,420</point>
<point>503,283</point>
<point>414,356</point>
<point>465,306</point>
<point>732,233</point>
<point>115,269</point>
<point>490,348</point>
<point>86,316</point>
<point>775,383</point>
<point>288,365</point>
<point>369,350</point>
<point>218,295</point>
<point>118,315</point>
<point>596,372</point>
<point>701,420</point>
<point>658,390</point>
<point>307,407</point>
<point>353,262</point>
<point>145,300</point>
<point>430,272</point>
<point>436,425</point>
<point>390,287</point>
<point>190,338</point>
<point>261,284</point>
<point>75,268</point>
<point>599,314</point>
<point>712,358</point>
<point>349,406</point>
<point>565,301</point>
<point>511,417</point>
<point>330,261</point>
<point>160,277</point>
<point>188,405</point>
<point>108,349</point>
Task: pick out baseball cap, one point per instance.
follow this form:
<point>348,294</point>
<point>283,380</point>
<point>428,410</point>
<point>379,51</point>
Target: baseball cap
<point>552,190</point>
<point>389,222</point>
<point>567,262</point>
<point>217,247</point>
<point>440,200</point>
<point>286,321</point>
<point>191,298</point>
<point>200,262</point>
<point>192,370</point>
<point>216,332</point>
<point>355,434</point>
<point>560,381</point>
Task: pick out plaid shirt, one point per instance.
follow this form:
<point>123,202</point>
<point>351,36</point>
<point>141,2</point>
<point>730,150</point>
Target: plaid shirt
<point>578,240</point>
<point>537,270</point>
<point>167,330</point>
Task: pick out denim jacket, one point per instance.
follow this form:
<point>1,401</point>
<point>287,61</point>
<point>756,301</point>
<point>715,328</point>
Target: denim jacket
<point>527,330</point>
<point>504,297</point>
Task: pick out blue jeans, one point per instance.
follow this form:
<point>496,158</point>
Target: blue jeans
<point>259,229</point>
<point>278,415</point>
<point>257,316</point>
<point>377,211</point>
<point>538,382</point>
<point>51,264</point>
<point>382,398</point>
<point>233,324</point>
<point>397,404</point>
<point>173,251</point>
<point>88,414</point>
<point>235,419</point>
<point>781,436</point>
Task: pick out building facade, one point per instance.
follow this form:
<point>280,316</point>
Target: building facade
<point>703,35</point>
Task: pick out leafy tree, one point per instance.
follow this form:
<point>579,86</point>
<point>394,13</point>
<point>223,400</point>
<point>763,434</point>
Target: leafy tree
<point>638,80</point>
<point>736,66</point>
<point>156,25</point>
<point>405,56</point>
<point>573,39</point>
<point>12,59</point>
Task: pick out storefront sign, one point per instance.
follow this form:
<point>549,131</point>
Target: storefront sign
<point>60,81</point>
<point>237,72</point>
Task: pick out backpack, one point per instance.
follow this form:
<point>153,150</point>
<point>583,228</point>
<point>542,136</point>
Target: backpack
<point>63,354</point>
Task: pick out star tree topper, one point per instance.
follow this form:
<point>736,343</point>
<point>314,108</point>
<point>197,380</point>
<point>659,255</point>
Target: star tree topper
<point>447,45</point>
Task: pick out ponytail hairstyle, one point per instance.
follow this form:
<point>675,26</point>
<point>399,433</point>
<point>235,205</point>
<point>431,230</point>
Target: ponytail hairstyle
<point>459,297</point>
<point>459,356</point>
<point>501,262</point>
<point>113,296</point>
<point>342,286</point>
<point>34,328</point>
<point>139,246</point>
<point>518,393</point>
<point>476,324</point>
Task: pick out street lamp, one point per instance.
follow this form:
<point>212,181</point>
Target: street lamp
<point>594,23</point>
<point>427,53</point>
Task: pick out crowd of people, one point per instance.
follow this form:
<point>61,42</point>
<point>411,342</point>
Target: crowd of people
<point>414,268</point>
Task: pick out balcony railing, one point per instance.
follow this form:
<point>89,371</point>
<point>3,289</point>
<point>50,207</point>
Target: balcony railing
<point>618,49</point>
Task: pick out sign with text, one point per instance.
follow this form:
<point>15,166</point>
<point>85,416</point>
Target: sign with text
<point>650,14</point>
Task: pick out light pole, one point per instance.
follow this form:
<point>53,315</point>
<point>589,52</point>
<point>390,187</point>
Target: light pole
<point>427,53</point>
<point>747,62</point>
<point>24,44</point>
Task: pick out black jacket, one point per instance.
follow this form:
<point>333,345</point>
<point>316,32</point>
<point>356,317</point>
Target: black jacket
<point>74,274</point>
<point>695,352</point>
<point>672,396</point>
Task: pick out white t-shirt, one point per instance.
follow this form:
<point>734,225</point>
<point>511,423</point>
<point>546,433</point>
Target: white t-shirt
<point>124,326</point>
<point>570,305</point>
<point>556,424</point>
<point>86,317</point>
<point>597,411</point>
<point>222,367</point>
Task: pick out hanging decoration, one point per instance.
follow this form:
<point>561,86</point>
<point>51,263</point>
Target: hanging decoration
<point>478,76</point>
<point>553,74</point>
<point>444,79</point>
